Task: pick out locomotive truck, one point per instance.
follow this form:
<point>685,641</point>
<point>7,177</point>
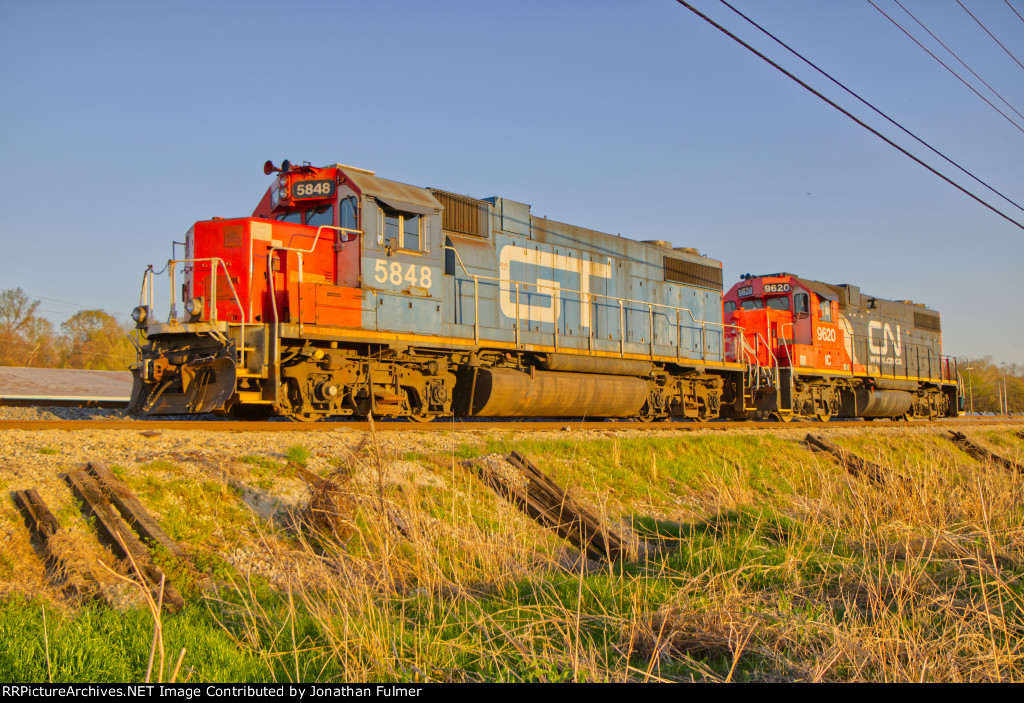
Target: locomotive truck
<point>347,294</point>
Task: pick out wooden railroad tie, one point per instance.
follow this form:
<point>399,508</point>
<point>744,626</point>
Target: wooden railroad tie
<point>860,468</point>
<point>44,526</point>
<point>544,501</point>
<point>982,454</point>
<point>131,509</point>
<point>116,532</point>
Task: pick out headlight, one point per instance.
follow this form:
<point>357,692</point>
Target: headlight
<point>194,307</point>
<point>140,315</point>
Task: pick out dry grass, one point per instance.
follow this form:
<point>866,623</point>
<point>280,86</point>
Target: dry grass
<point>815,576</point>
<point>756,561</point>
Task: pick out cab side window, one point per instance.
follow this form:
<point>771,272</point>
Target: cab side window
<point>403,227</point>
<point>825,306</point>
<point>348,218</point>
<point>800,306</point>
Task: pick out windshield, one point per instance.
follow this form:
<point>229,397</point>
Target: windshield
<point>314,217</point>
<point>323,215</point>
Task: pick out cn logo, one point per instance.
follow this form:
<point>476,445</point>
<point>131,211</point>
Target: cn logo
<point>509,301</point>
<point>878,330</point>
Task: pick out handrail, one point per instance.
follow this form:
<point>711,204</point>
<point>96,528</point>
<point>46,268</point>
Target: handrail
<point>215,263</point>
<point>300,252</point>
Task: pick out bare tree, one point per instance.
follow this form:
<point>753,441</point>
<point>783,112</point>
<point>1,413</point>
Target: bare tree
<point>17,323</point>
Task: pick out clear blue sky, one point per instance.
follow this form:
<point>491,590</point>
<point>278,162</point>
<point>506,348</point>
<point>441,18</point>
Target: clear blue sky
<point>125,122</point>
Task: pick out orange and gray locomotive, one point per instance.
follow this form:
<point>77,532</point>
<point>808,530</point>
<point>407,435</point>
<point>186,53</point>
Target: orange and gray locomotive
<point>839,352</point>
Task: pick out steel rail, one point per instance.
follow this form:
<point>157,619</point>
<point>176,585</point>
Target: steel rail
<point>458,425</point>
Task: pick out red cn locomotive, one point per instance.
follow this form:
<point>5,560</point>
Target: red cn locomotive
<point>837,352</point>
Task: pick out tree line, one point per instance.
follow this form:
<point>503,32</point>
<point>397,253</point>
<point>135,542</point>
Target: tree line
<point>89,339</point>
<point>984,383</point>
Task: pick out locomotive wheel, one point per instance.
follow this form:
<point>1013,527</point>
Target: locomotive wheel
<point>421,417</point>
<point>823,417</point>
<point>779,417</point>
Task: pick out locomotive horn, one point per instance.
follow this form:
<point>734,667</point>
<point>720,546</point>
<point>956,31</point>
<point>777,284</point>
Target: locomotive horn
<point>268,168</point>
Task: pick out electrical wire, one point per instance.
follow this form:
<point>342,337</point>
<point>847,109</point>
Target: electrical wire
<point>868,104</point>
<point>878,134</point>
<point>958,76</point>
<point>990,33</point>
<point>962,63</point>
<point>1014,10</point>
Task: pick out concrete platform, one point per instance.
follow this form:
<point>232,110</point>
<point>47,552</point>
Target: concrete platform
<point>20,385</point>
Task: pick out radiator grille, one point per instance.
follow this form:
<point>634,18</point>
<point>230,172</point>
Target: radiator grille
<point>462,214</point>
<point>693,274</point>
<point>924,321</point>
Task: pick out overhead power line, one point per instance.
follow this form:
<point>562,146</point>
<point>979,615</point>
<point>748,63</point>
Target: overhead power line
<point>962,63</point>
<point>1009,53</point>
<point>1014,10</point>
<point>878,134</point>
<point>872,107</point>
<point>943,64</point>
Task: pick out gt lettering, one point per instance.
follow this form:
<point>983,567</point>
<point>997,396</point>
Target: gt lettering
<point>385,273</point>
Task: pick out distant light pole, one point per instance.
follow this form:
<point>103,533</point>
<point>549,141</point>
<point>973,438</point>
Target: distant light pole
<point>970,390</point>
<point>1006,401</point>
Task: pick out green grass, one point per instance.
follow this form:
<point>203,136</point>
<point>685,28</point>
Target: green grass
<point>297,453</point>
<point>267,471</point>
<point>98,644</point>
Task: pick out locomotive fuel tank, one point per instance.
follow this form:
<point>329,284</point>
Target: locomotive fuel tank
<point>501,392</point>
<point>877,403</point>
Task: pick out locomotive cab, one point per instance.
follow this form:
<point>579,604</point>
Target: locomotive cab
<point>327,251</point>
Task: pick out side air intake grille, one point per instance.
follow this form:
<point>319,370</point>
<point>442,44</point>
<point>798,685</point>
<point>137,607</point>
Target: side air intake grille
<point>924,321</point>
<point>463,215</point>
<point>693,274</point>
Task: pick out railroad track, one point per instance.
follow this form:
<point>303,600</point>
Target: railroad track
<point>474,425</point>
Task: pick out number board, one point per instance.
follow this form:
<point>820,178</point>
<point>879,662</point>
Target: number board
<point>776,288</point>
<point>745,291</point>
<point>302,190</point>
